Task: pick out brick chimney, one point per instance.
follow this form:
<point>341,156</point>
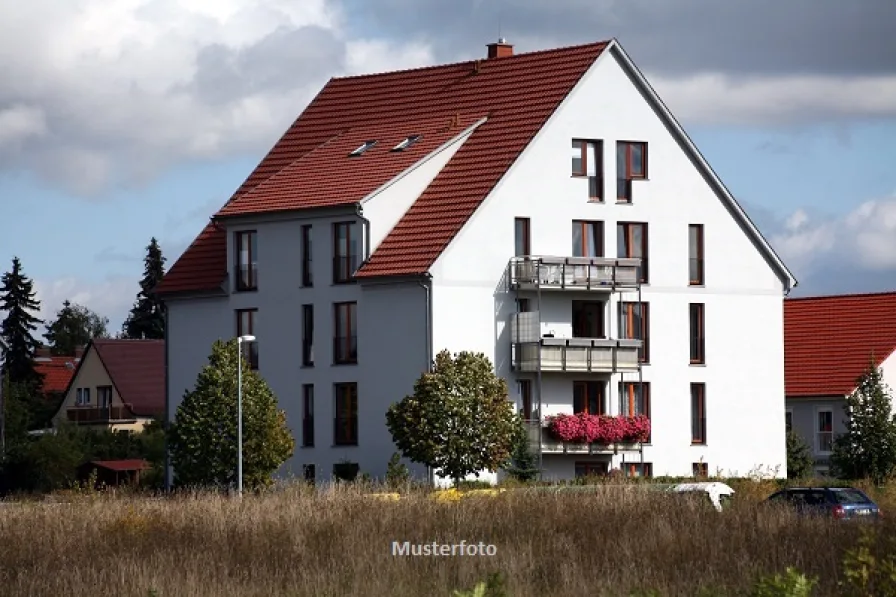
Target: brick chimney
<point>499,49</point>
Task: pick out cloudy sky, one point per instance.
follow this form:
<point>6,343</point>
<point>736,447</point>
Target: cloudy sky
<point>126,119</point>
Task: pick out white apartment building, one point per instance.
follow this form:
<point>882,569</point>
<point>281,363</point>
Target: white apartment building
<point>543,208</point>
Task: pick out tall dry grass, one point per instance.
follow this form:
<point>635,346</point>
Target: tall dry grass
<point>603,541</point>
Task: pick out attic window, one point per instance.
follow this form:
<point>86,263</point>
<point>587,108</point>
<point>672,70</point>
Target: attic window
<point>367,145</point>
<point>407,143</point>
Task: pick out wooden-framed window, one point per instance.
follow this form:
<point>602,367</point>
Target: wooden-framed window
<point>246,254</point>
<point>82,397</point>
<point>307,277</point>
<point>588,161</point>
<point>631,241</point>
<point>525,389</point>
<point>698,413</point>
<point>587,238</point>
<point>824,431</point>
<point>246,322</point>
<point>698,334</point>
<point>345,338</point>
<point>634,399</point>
<point>634,324</point>
<point>307,335</point>
<point>631,164</point>
<point>588,319</point>
<point>104,396</point>
<point>309,472</point>
<point>345,252</point>
<point>591,469</point>
<point>522,238</point>
<point>700,470</point>
<point>638,469</point>
<point>308,415</point>
<point>695,255</point>
<point>588,397</point>
<point>345,424</point>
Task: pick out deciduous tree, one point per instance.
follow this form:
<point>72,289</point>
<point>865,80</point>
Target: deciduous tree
<point>18,300</point>
<point>146,319</point>
<point>74,326</point>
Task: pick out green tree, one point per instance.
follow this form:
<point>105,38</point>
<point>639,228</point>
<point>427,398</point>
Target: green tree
<point>800,464</point>
<point>523,464</point>
<point>18,300</point>
<point>458,420</point>
<point>868,448</point>
<point>146,319</point>
<point>74,326</point>
<point>203,437</point>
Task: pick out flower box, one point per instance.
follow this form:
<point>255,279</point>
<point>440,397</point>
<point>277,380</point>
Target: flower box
<point>603,430</point>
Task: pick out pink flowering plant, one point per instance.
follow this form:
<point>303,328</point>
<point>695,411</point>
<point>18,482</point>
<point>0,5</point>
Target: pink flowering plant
<point>583,428</point>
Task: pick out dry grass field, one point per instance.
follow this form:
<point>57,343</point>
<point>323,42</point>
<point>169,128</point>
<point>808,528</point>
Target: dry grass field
<point>602,541</point>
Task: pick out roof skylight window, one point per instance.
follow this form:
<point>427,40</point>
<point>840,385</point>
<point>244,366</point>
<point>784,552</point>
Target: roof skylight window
<point>407,143</point>
<point>367,145</point>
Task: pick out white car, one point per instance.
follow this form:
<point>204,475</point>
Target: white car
<point>718,493</point>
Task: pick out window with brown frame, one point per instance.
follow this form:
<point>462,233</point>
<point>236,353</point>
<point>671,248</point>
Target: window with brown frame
<point>698,336</point>
<point>634,399</point>
<point>308,415</point>
<point>308,471</point>
<point>307,278</point>
<point>104,396</point>
<point>345,339</point>
<point>698,413</point>
<point>345,423</point>
<point>634,324</point>
<point>700,470</point>
<point>588,161</point>
<point>308,335</point>
<point>522,237</point>
<point>345,252</point>
<point>695,255</point>
<point>246,255</point>
<point>631,242</point>
<point>588,397</point>
<point>246,322</point>
<point>525,389</point>
<point>591,469</point>
<point>587,238</point>
<point>638,469</point>
<point>631,164</point>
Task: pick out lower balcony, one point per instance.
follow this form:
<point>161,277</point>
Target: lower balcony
<point>541,438</point>
<point>576,355</point>
<point>99,415</point>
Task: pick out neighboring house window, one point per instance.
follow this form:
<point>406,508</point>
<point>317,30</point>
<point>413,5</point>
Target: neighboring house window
<point>587,238</point>
<point>308,415</point>
<point>345,252</point>
<point>82,397</point>
<point>631,164</point>
<point>591,469</point>
<point>587,319</point>
<point>521,237</point>
<point>588,397</point>
<point>246,321</point>
<point>695,255</point>
<point>346,420</point>
<point>638,469</point>
<point>309,472</point>
<point>824,431</point>
<point>788,420</point>
<point>698,413</point>
<point>700,469</point>
<point>588,160</point>
<point>308,335</point>
<point>634,324</point>
<point>345,341</point>
<point>104,396</point>
<point>247,260</point>
<point>631,241</point>
<point>525,389</point>
<point>698,336</point>
<point>307,279</point>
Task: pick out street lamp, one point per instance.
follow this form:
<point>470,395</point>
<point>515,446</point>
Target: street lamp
<point>239,410</point>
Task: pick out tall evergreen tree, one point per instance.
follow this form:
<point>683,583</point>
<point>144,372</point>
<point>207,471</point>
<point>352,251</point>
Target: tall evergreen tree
<point>146,319</point>
<point>18,300</point>
<point>74,326</point>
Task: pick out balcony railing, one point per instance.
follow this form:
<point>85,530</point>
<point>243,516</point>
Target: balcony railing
<point>574,273</point>
<point>99,414</point>
<point>576,355</point>
<point>551,445</point>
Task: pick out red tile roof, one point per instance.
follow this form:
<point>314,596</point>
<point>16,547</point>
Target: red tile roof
<point>122,465</point>
<point>137,370</point>
<point>519,93</point>
<point>829,340</point>
<point>56,374</point>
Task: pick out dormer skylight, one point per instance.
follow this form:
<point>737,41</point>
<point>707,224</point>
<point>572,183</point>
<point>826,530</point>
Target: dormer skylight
<point>407,143</point>
<point>367,145</point>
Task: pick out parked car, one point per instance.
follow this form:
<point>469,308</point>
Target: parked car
<point>839,502</point>
<point>718,494</point>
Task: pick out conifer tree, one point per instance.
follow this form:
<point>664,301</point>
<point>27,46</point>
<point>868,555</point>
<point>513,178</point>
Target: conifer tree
<point>18,300</point>
<point>146,319</point>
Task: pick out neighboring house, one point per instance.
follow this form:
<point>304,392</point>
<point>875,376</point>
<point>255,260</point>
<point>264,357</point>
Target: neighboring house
<point>829,342</point>
<point>57,372</point>
<point>119,385</point>
<point>542,208</point>
<point>113,473</point>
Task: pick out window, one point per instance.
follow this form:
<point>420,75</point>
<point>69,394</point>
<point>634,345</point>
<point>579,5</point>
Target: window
<point>407,143</point>
<point>631,164</point>
<point>307,279</point>
<point>638,469</point>
<point>698,413</point>
<point>634,398</point>
<point>591,469</point>
<point>700,469</point>
<point>308,415</point>
<point>309,472</point>
<point>695,255</point>
<point>104,396</point>
<point>634,324</point>
<point>631,241</point>
<point>345,252</point>
<point>523,305</point>
<point>247,260</point>
<point>588,397</point>
<point>587,319</point>
<point>345,340</point>
<point>788,420</point>
<point>345,432</point>
<point>587,239</point>
<point>308,335</point>
<point>588,161</point>
<point>82,397</point>
<point>698,337</point>
<point>522,245</point>
<point>246,321</point>
<point>525,389</point>
<point>364,147</point>
<point>824,431</point>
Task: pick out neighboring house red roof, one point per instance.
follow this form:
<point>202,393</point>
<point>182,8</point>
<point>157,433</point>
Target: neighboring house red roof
<point>122,465</point>
<point>829,340</point>
<point>518,93</point>
<point>137,370</point>
<point>57,374</point>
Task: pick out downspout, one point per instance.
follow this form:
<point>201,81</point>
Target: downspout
<point>426,285</point>
<point>359,211</point>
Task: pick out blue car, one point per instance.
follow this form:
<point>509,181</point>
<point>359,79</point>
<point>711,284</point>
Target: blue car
<point>839,502</point>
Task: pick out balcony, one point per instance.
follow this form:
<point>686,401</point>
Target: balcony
<point>576,355</point>
<point>574,273</point>
<point>109,414</point>
<point>550,445</point>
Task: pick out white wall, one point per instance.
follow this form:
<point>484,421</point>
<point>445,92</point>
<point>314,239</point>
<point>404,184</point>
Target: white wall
<point>743,296</point>
<point>888,367</point>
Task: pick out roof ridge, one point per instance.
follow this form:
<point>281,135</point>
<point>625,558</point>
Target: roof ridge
<point>839,296</point>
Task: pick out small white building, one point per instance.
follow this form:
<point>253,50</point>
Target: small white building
<point>543,208</point>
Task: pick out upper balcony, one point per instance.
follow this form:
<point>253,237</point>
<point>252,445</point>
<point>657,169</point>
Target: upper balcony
<point>601,274</point>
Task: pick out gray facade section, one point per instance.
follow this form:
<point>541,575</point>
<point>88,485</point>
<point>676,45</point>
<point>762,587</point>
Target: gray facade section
<point>805,416</point>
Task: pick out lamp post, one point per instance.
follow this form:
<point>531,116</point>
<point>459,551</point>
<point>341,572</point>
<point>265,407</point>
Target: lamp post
<point>239,410</point>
